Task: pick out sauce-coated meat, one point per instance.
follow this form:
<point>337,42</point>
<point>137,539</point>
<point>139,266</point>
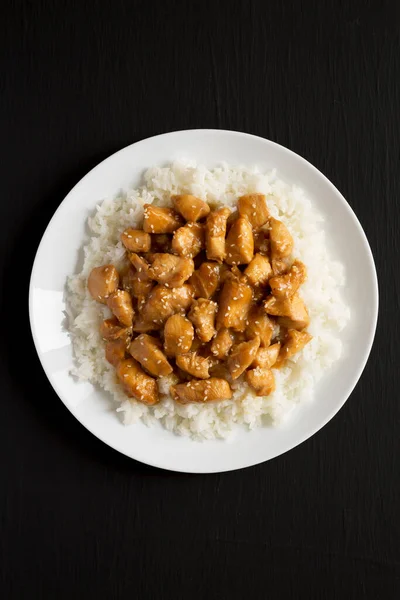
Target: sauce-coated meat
<point>158,219</point>
<point>191,208</point>
<point>102,282</point>
<point>234,305</point>
<point>178,335</point>
<point>239,244</point>
<point>136,240</point>
<point>202,315</point>
<point>215,233</point>
<point>136,382</point>
<point>205,390</point>
<point>254,207</point>
<point>170,270</point>
<point>188,240</point>
<point>147,350</point>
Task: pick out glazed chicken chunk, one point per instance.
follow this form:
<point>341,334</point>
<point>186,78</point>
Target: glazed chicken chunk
<point>195,365</point>
<point>215,233</point>
<point>241,356</point>
<point>202,315</point>
<point>170,270</point>
<point>115,351</point>
<point>254,207</point>
<point>120,303</point>
<point>136,240</point>
<point>280,238</point>
<point>137,280</point>
<point>259,324</point>
<point>112,329</point>
<point>157,219</point>
<point>147,351</point>
<point>261,240</point>
<point>163,302</point>
<point>284,286</point>
<point>188,240</point>
<point>205,280</point>
<point>221,344</point>
<point>102,282</point>
<point>291,311</point>
<point>294,342</point>
<point>234,305</point>
<point>239,244</point>
<point>136,382</point>
<point>191,208</point>
<point>267,357</point>
<point>261,380</point>
<point>258,271</point>
<point>178,335</point>
<point>206,390</point>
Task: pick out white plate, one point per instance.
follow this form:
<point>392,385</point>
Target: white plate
<point>58,255</point>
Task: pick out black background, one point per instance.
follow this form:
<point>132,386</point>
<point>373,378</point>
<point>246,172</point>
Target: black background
<point>80,80</point>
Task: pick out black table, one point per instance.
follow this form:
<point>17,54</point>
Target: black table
<point>83,79</point>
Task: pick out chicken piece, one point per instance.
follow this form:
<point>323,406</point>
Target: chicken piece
<point>141,326</point>
<point>220,370</point>
<point>137,383</point>
<point>120,303</point>
<point>161,242</point>
<point>162,302</point>
<point>258,271</point>
<point>281,240</point>
<point>261,380</point>
<point>205,280</point>
<point>254,207</point>
<point>102,282</point>
<point>259,323</point>
<point>267,357</point>
<point>215,233</point>
<point>191,208</point>
<point>279,266</point>
<point>137,280</point>
<point>205,390</point>
<point>170,270</point>
<point>115,351</point>
<point>293,343</point>
<point>241,356</point>
<point>141,265</point>
<point>188,240</point>
<point>160,220</point>
<point>202,315</point>
<point>136,240</point>
<point>284,286</point>
<point>291,311</point>
<point>111,329</point>
<point>239,243</point>
<point>234,305</point>
<point>221,344</point>
<point>195,365</point>
<point>178,335</point>
<point>147,351</point>
<point>261,240</point>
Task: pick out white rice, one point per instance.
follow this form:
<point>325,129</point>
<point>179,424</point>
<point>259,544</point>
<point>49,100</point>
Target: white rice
<point>329,314</point>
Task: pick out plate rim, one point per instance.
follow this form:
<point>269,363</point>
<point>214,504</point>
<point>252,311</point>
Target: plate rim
<point>372,324</point>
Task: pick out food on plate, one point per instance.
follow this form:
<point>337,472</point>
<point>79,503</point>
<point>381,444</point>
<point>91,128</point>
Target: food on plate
<point>235,325</point>
<point>207,299</point>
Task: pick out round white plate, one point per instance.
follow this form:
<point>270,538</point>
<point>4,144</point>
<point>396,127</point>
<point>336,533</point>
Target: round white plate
<point>58,256</point>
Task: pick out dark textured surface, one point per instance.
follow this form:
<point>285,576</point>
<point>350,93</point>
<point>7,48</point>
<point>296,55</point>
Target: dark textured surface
<point>80,80</point>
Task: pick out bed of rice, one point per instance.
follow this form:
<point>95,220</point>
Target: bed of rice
<point>322,294</point>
